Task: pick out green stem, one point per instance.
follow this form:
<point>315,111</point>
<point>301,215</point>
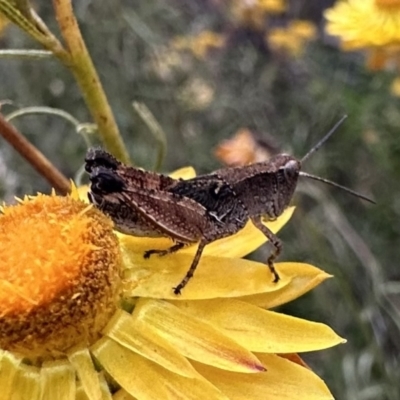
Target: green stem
<point>86,76</point>
<point>155,129</point>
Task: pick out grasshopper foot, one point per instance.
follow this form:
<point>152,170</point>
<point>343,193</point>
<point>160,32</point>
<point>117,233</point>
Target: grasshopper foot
<point>148,253</point>
<point>274,272</point>
<point>277,278</point>
<point>276,243</point>
<point>162,253</point>
<point>177,290</point>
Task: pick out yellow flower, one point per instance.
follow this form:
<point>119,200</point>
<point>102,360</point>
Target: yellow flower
<point>199,45</point>
<point>303,29</point>
<point>253,13</point>
<point>4,23</point>
<point>71,328</point>
<point>365,23</point>
<point>196,94</point>
<point>293,38</point>
<point>270,6</point>
<point>395,87</point>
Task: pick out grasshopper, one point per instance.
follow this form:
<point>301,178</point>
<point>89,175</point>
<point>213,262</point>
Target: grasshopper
<point>199,210</point>
<point>141,203</point>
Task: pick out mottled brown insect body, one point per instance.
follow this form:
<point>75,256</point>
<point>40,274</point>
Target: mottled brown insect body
<point>199,210</point>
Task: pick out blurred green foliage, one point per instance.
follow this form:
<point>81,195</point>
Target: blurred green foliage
<point>200,101</point>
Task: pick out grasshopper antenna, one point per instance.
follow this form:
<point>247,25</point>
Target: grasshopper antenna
<point>356,194</point>
<point>324,139</point>
<point>317,178</point>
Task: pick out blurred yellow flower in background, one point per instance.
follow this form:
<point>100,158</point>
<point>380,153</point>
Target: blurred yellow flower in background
<point>395,87</point>
<point>293,38</point>
<point>200,45</point>
<point>85,316</point>
<point>253,13</point>
<point>372,26</point>
<point>196,94</point>
<point>365,23</point>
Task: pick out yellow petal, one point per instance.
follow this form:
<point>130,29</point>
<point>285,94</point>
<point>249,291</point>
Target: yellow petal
<point>183,173</point>
<point>193,337</point>
<point>137,379</point>
<point>262,331</point>
<point>146,380</point>
<point>26,384</point>
<point>123,330</point>
<point>283,380</point>
<point>123,395</point>
<point>9,365</point>
<point>302,278</point>
<point>83,364</point>
<point>214,276</point>
<point>83,193</point>
<point>80,393</point>
<point>58,380</point>
<point>105,390</point>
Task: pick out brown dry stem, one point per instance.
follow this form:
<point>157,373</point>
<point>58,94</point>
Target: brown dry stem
<point>34,157</point>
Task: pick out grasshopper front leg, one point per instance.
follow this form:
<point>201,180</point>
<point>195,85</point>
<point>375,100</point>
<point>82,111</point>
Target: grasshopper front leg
<point>276,243</point>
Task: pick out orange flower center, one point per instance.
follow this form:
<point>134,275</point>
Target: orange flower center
<point>58,274</point>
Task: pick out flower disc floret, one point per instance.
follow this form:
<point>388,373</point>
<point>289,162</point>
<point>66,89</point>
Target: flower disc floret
<point>58,275</point>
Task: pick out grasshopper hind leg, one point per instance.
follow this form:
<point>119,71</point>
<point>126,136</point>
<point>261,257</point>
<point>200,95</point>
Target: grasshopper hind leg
<point>177,246</point>
<point>189,274</point>
<point>191,270</point>
<point>276,243</point>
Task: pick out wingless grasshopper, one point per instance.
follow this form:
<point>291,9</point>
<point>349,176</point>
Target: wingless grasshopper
<point>199,210</point>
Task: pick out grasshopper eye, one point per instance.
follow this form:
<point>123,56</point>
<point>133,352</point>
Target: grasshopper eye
<point>291,169</point>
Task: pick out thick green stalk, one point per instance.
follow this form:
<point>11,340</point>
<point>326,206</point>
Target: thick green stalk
<point>86,76</point>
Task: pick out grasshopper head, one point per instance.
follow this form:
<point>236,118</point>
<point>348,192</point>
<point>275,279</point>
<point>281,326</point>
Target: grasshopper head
<point>287,174</point>
<point>97,157</point>
<point>268,187</point>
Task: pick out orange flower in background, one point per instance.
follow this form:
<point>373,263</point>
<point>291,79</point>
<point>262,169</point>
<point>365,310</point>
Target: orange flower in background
<point>243,148</point>
<point>84,316</point>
